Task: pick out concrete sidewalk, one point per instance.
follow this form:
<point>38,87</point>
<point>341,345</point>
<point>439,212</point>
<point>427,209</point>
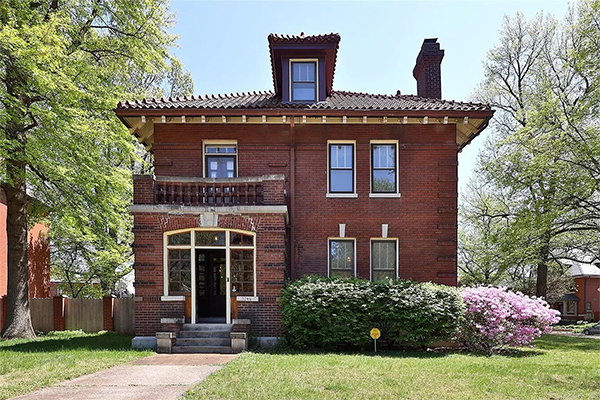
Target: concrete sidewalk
<point>158,377</point>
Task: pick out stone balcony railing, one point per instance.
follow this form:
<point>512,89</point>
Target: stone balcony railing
<point>262,190</point>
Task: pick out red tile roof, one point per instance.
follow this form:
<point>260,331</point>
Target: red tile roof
<point>337,101</point>
<point>327,38</point>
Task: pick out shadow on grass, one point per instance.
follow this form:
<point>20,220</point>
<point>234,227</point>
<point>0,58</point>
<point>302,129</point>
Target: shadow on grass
<point>547,342</point>
<point>288,351</point>
<point>62,342</point>
<point>423,354</point>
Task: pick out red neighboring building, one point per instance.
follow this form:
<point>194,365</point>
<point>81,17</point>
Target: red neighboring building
<point>584,302</point>
<point>254,188</point>
<point>38,253</point>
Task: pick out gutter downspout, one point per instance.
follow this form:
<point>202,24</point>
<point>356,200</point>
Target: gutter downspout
<point>292,200</point>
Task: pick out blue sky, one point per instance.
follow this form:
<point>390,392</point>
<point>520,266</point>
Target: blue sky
<point>224,44</point>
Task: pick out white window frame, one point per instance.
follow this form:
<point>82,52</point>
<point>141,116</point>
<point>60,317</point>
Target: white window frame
<point>215,142</point>
<point>338,239</point>
<point>290,80</point>
<point>396,274</point>
<point>192,247</point>
<point>395,194</point>
<point>336,194</point>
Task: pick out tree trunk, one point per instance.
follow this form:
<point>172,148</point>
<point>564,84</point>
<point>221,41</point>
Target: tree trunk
<point>541,285</point>
<point>18,318</point>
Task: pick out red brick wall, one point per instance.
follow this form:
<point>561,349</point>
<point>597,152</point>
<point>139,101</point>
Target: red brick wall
<point>423,219</point>
<point>38,255</point>
<point>148,249</point>
<point>587,291</point>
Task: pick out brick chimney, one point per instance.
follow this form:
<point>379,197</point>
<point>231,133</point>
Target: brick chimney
<point>428,70</point>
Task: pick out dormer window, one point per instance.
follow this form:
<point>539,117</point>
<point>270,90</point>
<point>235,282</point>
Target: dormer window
<point>303,80</point>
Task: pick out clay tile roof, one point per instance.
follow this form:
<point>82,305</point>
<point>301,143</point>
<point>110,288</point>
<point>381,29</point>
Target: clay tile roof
<point>339,100</point>
<point>327,38</point>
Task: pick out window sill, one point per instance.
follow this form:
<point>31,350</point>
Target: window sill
<point>172,298</point>
<point>342,195</point>
<point>384,195</point>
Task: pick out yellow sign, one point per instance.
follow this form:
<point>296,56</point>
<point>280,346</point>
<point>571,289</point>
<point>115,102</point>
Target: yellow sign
<point>375,334</point>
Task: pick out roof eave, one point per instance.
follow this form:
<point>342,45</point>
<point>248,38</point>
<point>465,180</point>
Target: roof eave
<point>153,112</point>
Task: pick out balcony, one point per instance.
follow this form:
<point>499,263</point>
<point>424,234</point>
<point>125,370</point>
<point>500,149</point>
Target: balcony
<point>262,190</point>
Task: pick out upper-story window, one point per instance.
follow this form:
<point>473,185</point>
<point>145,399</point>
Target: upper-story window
<point>303,80</point>
<point>220,160</point>
<point>341,168</point>
<point>384,168</point>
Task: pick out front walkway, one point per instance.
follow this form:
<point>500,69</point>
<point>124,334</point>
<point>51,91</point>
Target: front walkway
<point>158,377</point>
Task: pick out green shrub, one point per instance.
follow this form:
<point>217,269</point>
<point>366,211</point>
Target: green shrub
<point>327,313</point>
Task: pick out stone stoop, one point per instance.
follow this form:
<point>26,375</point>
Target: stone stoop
<point>202,338</point>
<point>198,338</point>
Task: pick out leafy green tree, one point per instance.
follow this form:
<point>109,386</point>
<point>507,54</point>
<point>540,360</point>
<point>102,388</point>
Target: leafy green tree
<point>63,67</point>
<point>541,172</point>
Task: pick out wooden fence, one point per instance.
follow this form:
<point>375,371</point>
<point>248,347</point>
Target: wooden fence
<point>90,315</point>
<point>42,317</point>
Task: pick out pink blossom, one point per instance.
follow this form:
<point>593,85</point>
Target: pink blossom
<point>496,317</point>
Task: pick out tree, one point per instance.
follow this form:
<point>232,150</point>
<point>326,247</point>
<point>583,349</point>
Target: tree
<point>88,261</point>
<point>63,67</point>
<point>542,170</point>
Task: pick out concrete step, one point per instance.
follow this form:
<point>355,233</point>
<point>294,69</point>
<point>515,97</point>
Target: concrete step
<point>204,334</point>
<point>201,349</point>
<point>208,327</point>
<point>202,342</point>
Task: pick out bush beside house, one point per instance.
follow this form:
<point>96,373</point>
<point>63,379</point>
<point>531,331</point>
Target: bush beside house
<point>496,318</point>
<point>326,313</point>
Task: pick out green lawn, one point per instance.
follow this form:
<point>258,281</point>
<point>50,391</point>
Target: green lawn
<point>559,367</point>
<point>27,365</point>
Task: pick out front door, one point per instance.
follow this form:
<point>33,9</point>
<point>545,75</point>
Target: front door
<point>211,277</point>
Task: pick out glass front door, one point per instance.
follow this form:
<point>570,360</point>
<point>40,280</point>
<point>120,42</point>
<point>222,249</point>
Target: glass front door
<point>211,273</point>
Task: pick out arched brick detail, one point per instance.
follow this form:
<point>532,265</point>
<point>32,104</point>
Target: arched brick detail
<point>175,222</point>
<point>242,223</point>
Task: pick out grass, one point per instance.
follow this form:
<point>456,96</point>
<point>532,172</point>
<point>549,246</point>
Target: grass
<point>559,367</point>
<point>28,365</point>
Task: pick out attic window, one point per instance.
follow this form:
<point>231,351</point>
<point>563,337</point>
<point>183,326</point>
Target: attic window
<point>303,80</point>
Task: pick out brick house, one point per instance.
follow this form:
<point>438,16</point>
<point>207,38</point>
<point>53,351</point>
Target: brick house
<point>584,302</point>
<point>254,188</point>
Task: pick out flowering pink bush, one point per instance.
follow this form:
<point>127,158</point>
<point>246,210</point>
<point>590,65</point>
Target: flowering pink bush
<point>495,318</point>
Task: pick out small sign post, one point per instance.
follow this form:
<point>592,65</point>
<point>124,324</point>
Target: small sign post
<point>375,334</point>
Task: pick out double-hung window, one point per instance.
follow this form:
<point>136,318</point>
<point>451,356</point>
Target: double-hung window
<point>303,81</point>
<point>384,169</point>
<point>220,160</point>
<point>342,258</point>
<point>384,260</point>
<point>341,168</point>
